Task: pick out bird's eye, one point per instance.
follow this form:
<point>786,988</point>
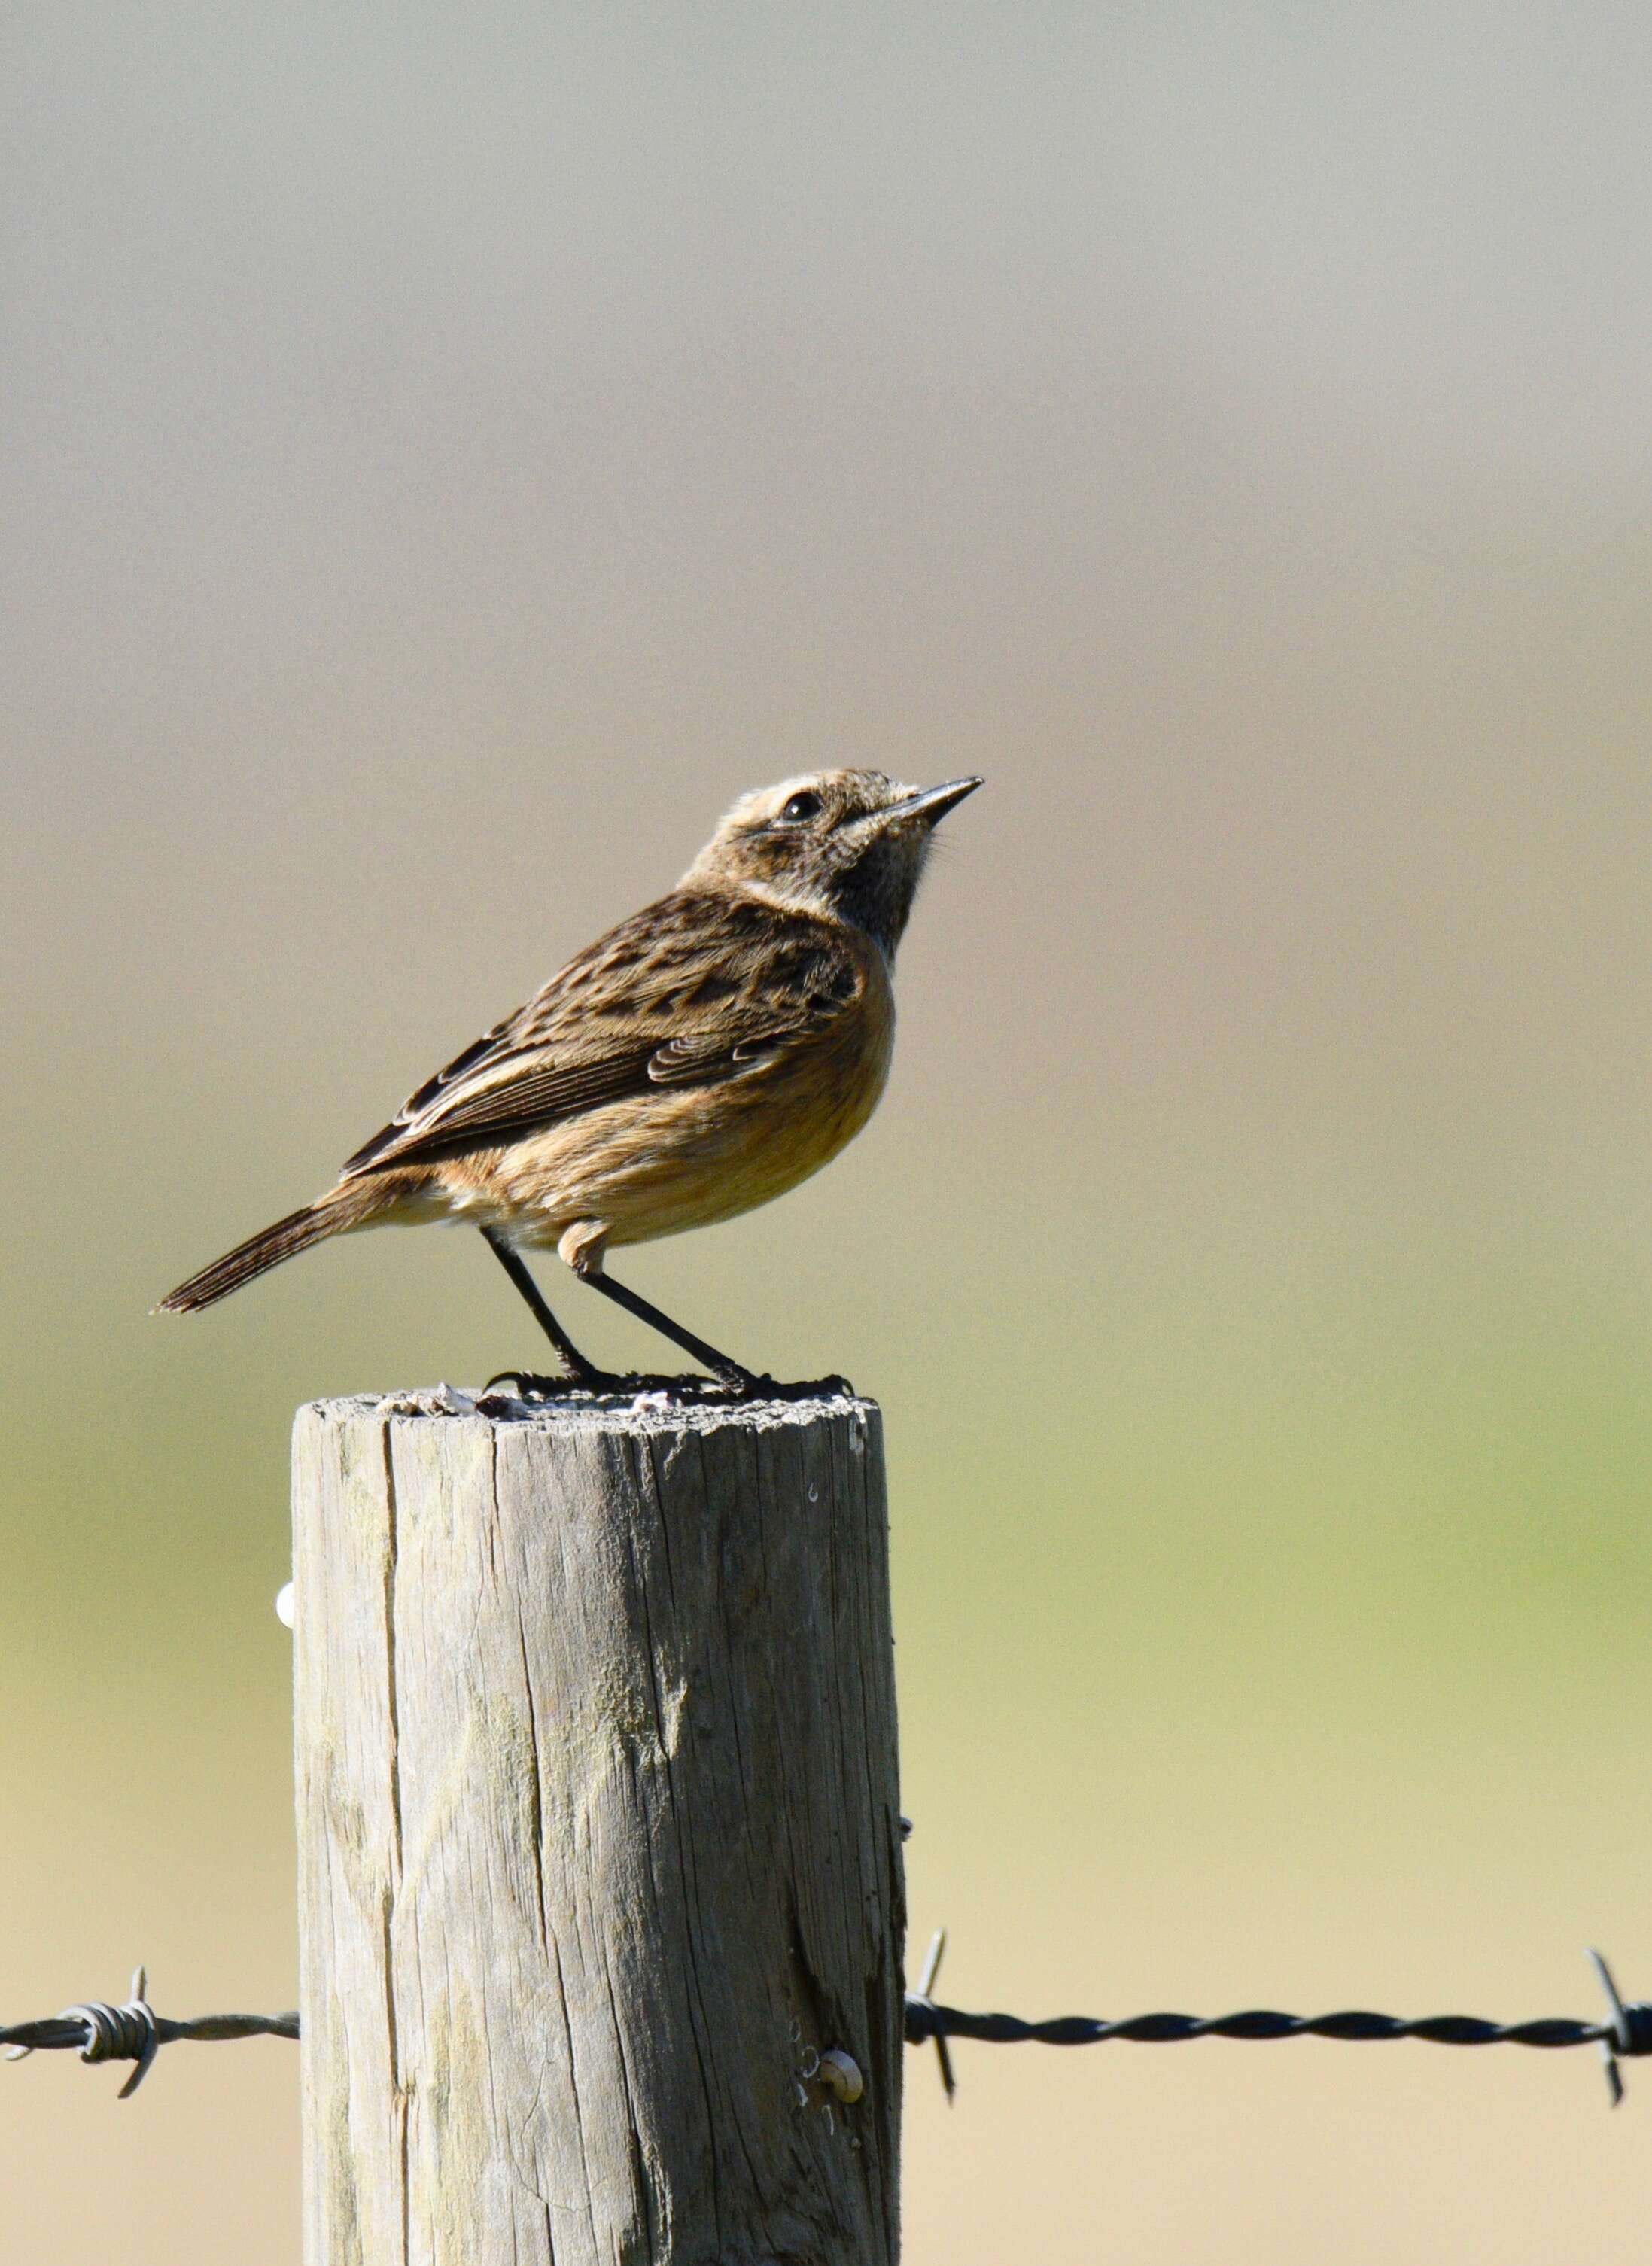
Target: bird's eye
<point>801,807</point>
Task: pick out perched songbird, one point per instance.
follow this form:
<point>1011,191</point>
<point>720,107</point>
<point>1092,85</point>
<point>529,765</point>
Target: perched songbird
<point>709,1053</point>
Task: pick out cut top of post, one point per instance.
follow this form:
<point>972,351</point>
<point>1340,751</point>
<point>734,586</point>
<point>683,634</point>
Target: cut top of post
<point>650,1409</point>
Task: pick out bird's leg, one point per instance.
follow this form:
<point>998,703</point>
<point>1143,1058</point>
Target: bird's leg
<point>588,1267</point>
<point>578,1369</point>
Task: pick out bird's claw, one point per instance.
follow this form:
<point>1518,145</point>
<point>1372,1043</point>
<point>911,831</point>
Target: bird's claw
<point>532,1387</point>
<point>748,1387</point>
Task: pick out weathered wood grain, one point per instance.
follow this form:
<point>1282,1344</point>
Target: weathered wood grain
<point>598,1836</point>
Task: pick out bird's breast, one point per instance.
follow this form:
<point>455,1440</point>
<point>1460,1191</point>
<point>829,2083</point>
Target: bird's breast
<point>685,1157</point>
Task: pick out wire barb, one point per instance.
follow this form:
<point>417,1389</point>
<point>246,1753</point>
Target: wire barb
<point>1629,2032</point>
<point>923,2015</point>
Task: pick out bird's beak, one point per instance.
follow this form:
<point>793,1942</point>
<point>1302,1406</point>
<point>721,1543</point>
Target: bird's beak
<point>931,805</point>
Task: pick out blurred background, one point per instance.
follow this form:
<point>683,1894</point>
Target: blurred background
<point>452,451</point>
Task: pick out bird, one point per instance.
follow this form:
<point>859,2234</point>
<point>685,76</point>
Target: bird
<point>701,1058</point>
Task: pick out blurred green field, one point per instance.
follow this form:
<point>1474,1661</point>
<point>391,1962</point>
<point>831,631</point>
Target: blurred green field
<point>454,457</point>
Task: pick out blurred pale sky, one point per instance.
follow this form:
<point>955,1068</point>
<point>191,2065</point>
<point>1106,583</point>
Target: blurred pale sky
<point>450,452</point>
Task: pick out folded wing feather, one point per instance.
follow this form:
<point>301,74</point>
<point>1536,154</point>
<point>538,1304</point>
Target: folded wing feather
<point>567,1051</point>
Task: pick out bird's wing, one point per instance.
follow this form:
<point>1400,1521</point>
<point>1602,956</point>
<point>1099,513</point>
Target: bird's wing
<point>692,990</point>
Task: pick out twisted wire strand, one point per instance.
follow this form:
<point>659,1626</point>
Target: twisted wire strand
<point>99,2031</point>
<point>1626,2032</point>
<point>926,2019</point>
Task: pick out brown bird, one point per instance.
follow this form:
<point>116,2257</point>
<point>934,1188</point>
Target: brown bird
<point>707,1055</point>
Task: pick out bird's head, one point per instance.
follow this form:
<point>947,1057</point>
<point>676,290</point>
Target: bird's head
<point>844,845</point>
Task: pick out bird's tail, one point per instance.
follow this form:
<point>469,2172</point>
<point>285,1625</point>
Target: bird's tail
<point>351,1206</point>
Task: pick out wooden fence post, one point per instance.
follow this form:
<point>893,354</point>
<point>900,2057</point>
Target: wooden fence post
<point>599,1848</point>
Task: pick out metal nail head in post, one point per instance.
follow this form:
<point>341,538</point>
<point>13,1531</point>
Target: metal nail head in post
<point>840,2075</point>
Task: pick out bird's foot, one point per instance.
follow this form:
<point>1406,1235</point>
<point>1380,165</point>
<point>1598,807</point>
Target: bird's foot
<point>692,1389</point>
<point>744,1386</point>
<point>530,1386</point>
<point>593,1384</point>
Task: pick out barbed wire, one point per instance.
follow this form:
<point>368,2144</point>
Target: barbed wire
<point>132,2031</point>
<point>1626,2032</point>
